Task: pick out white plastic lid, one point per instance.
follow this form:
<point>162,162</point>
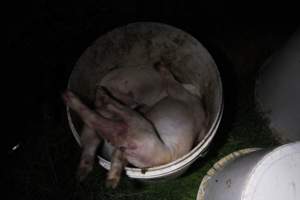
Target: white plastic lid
<point>276,176</point>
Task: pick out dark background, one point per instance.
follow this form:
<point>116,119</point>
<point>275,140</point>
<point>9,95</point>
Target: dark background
<point>45,38</point>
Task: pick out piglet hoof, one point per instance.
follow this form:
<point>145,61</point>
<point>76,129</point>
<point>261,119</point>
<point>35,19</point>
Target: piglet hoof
<point>70,98</point>
<point>112,182</point>
<point>67,95</point>
<point>85,167</point>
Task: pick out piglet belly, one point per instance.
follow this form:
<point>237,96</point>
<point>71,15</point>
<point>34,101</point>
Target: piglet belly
<point>174,124</point>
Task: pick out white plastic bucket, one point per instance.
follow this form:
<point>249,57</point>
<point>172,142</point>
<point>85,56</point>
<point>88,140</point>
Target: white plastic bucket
<point>144,44</point>
<point>278,90</point>
<point>255,174</point>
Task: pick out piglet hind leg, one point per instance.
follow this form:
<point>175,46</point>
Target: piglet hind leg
<point>89,141</point>
<point>108,129</point>
<point>118,163</point>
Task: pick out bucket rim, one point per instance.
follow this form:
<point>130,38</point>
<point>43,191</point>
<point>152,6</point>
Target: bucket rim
<point>196,152</point>
<point>219,165</point>
<point>265,163</point>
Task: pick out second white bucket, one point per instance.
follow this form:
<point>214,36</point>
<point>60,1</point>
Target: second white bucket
<point>255,174</point>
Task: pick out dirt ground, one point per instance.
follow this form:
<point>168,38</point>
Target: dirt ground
<point>45,40</point>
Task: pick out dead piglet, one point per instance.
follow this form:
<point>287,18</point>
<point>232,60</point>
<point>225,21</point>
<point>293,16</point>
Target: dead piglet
<point>134,86</point>
<point>172,131</point>
<point>193,103</point>
<point>179,118</point>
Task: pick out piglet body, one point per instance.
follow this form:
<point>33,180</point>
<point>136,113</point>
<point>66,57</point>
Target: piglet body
<point>174,124</point>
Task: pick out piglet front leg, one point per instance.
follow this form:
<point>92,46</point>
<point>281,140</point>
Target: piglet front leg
<point>118,162</point>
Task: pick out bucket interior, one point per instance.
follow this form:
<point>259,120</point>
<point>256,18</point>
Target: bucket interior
<point>143,44</point>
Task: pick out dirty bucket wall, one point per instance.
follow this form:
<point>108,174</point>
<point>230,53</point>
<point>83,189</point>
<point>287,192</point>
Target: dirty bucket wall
<point>278,90</point>
<point>255,174</point>
<point>144,44</point>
